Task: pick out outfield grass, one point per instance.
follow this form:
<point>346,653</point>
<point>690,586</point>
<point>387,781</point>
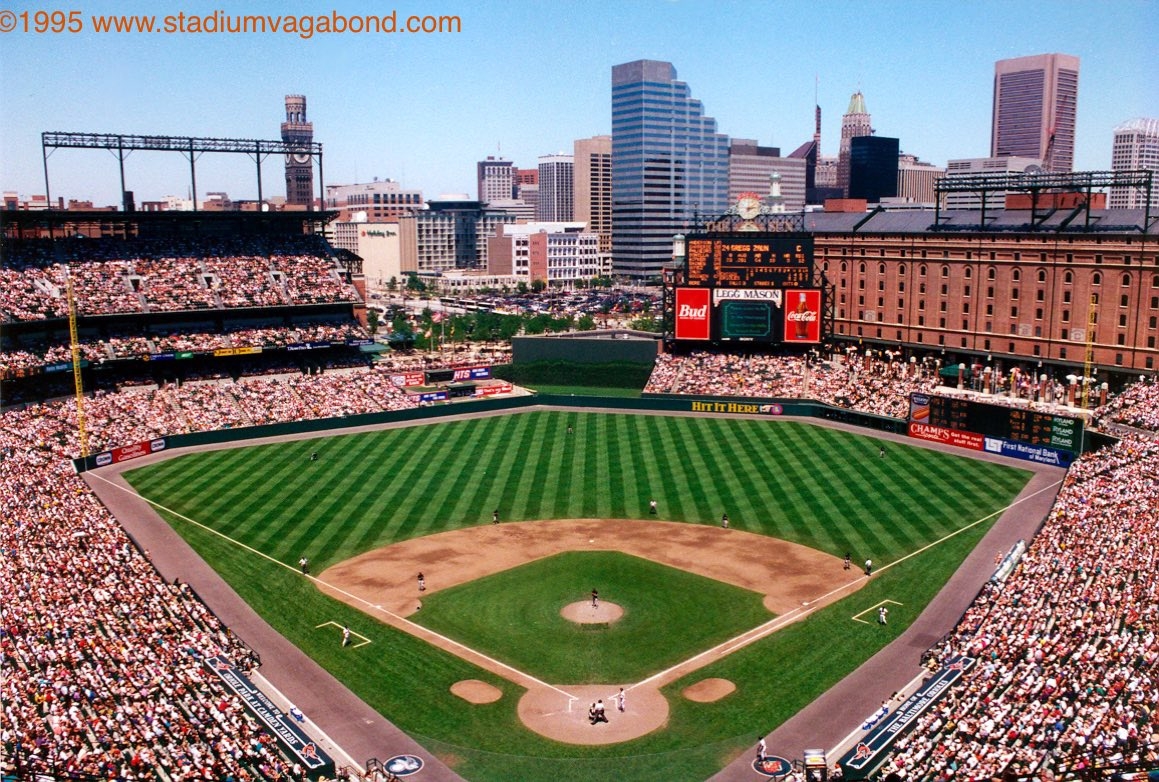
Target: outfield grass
<point>515,617</point>
<point>821,487</point>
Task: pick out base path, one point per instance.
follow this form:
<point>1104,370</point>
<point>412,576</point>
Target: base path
<point>384,583</point>
<point>787,574</point>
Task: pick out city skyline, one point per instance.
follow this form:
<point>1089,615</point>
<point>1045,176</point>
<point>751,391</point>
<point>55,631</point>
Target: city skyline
<point>424,109</point>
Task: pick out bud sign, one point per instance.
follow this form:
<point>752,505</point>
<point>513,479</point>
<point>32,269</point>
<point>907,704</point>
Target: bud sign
<point>803,315</point>
<point>692,319</point>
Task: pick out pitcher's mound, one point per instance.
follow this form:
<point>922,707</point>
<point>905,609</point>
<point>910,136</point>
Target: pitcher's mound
<point>709,690</point>
<point>585,613</point>
<point>475,691</point>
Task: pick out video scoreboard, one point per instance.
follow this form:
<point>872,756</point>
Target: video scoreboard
<point>1032,427</point>
<point>749,287</point>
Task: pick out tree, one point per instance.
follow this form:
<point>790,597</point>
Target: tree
<point>586,323</point>
<point>413,283</point>
<point>372,321</point>
<point>392,284</point>
<point>538,285</point>
<point>645,323</point>
<point>521,287</point>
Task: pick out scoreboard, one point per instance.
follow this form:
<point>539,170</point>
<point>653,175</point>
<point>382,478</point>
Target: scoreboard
<point>749,260</point>
<point>749,286</point>
<point>1032,427</point>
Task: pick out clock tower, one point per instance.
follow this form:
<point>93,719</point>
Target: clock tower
<point>299,167</point>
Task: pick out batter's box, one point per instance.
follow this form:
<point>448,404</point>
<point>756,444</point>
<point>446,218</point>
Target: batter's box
<point>857,617</point>
<point>363,642</point>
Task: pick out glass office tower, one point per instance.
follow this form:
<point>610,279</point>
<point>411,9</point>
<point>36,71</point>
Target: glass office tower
<point>669,166</point>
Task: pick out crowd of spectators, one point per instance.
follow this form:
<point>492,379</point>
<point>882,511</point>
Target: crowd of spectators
<point>873,385</point>
<point>1068,648</point>
<point>103,669</point>
<point>102,658</point>
<point>1137,406</point>
<point>34,351</point>
<point>141,275</point>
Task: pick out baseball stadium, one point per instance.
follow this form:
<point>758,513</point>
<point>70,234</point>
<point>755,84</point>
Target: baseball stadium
<point>247,536</point>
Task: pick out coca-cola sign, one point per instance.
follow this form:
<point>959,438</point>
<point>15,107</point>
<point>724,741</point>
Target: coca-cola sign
<point>692,321</point>
<point>803,315</point>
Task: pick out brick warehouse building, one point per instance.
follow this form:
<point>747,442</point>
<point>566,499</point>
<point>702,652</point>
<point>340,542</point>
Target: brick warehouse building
<point>1007,291</point>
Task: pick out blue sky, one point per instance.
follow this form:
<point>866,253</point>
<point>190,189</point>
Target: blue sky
<point>524,79</point>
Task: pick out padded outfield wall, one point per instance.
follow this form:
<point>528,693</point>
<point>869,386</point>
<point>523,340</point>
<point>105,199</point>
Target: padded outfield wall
<point>658,403</point>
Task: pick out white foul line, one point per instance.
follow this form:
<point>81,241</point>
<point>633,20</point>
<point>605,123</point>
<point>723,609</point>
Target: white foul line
<point>417,631</point>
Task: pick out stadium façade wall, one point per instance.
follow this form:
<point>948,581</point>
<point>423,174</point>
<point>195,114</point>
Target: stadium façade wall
<point>1010,290</point>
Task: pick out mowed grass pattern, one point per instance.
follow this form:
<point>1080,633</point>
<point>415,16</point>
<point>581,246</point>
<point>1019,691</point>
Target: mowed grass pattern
<point>822,487</point>
<point>825,488</point>
<point>515,616</point>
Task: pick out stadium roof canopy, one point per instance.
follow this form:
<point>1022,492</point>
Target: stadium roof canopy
<point>908,221</point>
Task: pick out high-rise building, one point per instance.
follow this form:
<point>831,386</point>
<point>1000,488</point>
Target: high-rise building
<point>299,166</point>
<point>593,187</point>
<point>451,235</point>
<point>1035,100</point>
<point>496,179</point>
<point>750,166</point>
<point>873,167</point>
<point>527,187</point>
<point>810,152</point>
<point>916,180</point>
<point>552,252</point>
<point>854,123</point>
<point>1136,148</point>
<point>556,189</point>
<point>984,165</point>
<point>382,199</point>
<point>669,165</point>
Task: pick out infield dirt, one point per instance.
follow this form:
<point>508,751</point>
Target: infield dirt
<point>795,580</point>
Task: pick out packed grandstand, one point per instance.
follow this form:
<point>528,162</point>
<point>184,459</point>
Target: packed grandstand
<point>103,675</point>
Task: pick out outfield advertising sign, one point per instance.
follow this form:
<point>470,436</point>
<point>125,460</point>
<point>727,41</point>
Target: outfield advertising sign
<point>803,316</point>
<point>471,373</point>
<point>1038,454</point>
<point>939,434</point>
<point>692,320</point>
<point>127,452</point>
<point>404,379</point>
<point>869,753</point>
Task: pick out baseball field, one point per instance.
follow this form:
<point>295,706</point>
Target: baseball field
<point>715,634</point>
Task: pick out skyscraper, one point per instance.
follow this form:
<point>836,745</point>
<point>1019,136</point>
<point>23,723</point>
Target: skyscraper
<point>593,187</point>
<point>750,166</point>
<point>873,167</point>
<point>495,179</point>
<point>1035,100</point>
<point>669,164</point>
<point>556,190</point>
<point>1136,148</point>
<point>854,123</point>
<point>299,167</point>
